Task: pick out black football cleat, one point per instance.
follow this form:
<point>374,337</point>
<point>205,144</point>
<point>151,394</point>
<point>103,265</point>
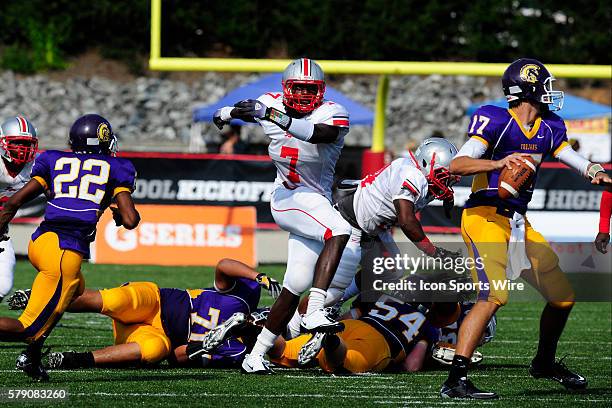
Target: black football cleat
<point>559,372</point>
<point>29,361</point>
<point>464,389</point>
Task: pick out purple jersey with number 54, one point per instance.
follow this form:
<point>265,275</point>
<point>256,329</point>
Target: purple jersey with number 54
<point>81,186</point>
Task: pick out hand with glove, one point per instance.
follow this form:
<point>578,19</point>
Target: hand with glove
<point>270,284</point>
<point>445,253</point>
<point>222,116</point>
<point>248,110</point>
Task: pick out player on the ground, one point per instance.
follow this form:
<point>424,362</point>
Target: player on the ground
<point>307,135</point>
<point>499,138</point>
<point>378,334</point>
<point>444,350</point>
<point>605,212</point>
<point>80,184</point>
<point>392,197</point>
<point>151,324</point>
<point>18,147</point>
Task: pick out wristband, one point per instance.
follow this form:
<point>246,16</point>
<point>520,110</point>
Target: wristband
<point>605,211</point>
<point>279,118</point>
<point>593,170</point>
<point>426,246</point>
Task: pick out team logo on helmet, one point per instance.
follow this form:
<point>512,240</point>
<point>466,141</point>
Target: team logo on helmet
<point>103,132</point>
<point>529,73</point>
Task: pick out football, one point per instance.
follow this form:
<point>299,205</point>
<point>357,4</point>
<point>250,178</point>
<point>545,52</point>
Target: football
<point>511,181</point>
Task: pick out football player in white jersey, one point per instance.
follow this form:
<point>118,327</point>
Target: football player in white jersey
<point>18,147</point>
<point>392,196</point>
<point>307,134</point>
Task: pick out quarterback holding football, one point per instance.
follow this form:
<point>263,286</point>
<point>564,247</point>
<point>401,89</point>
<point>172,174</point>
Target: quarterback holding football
<point>503,138</point>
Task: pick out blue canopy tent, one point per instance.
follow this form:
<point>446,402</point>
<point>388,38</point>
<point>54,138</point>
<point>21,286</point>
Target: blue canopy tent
<point>574,108</point>
<point>359,114</point>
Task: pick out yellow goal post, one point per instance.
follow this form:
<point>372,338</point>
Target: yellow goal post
<point>382,68</point>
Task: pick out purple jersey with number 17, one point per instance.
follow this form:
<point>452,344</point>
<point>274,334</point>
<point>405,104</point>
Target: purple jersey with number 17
<point>81,186</point>
<point>503,134</point>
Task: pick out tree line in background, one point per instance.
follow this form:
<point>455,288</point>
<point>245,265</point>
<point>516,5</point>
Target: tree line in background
<point>42,34</point>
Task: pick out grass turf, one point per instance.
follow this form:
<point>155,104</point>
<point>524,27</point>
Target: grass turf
<point>587,340</point>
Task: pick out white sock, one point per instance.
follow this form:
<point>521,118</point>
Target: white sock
<point>293,328</point>
<point>265,341</point>
<point>316,300</point>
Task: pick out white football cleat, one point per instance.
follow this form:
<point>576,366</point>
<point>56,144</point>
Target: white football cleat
<point>217,335</point>
<point>311,348</point>
<point>255,364</point>
<point>319,321</point>
<point>444,353</point>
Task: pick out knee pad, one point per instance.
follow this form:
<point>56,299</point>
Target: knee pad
<point>302,257</point>
<point>154,349</point>
<point>298,278</point>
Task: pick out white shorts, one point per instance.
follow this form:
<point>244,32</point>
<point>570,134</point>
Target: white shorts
<point>306,213</point>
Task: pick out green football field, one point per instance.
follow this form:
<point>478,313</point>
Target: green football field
<point>587,342</point>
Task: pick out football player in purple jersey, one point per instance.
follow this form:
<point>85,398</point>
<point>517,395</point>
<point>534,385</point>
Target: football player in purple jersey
<point>151,324</point>
<point>80,185</point>
<point>500,138</point>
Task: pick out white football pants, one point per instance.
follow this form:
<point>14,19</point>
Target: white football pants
<point>310,220</point>
<point>7,267</point>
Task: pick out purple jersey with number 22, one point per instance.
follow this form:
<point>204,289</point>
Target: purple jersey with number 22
<point>81,186</point>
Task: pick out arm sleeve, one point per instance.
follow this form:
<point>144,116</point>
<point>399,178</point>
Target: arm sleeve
<point>124,177</point>
<point>605,212</point>
<point>475,148</point>
<point>41,170</point>
<point>569,157</point>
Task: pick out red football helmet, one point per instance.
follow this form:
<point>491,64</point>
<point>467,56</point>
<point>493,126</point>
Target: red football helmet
<point>303,85</point>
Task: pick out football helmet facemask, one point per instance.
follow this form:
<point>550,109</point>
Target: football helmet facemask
<point>303,85</point>
<point>18,140</point>
<point>528,79</point>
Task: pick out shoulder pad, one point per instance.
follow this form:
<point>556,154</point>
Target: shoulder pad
<point>553,120</point>
<point>271,98</point>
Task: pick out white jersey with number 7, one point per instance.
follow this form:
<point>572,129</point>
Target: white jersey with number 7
<point>300,163</point>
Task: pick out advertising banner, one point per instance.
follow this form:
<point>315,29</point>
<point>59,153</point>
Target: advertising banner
<point>179,235</point>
